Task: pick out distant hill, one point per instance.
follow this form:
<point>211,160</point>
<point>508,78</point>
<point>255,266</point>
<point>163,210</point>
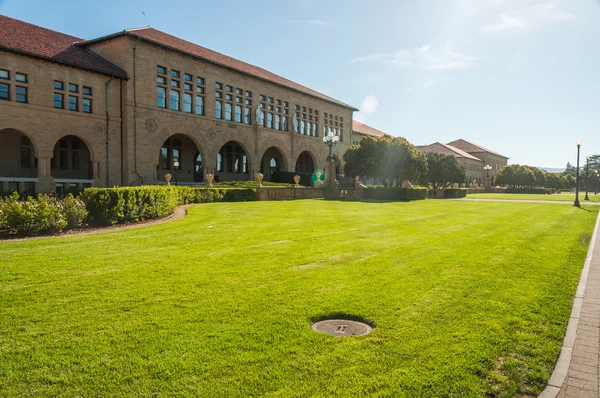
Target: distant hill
<point>552,169</point>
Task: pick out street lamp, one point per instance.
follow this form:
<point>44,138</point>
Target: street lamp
<point>330,140</point>
<point>176,165</point>
<point>587,176</point>
<point>577,179</point>
<point>487,169</point>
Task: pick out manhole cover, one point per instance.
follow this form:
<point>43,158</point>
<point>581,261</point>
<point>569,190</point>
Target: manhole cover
<point>342,328</point>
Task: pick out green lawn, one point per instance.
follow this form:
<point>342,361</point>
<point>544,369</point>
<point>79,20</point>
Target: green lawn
<point>468,298</point>
<point>565,197</point>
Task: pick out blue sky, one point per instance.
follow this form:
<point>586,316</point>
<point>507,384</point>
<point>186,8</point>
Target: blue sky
<point>521,77</point>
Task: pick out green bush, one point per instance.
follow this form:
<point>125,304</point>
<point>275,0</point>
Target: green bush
<point>41,215</point>
<point>395,194</point>
<point>251,184</point>
<point>538,191</point>
<point>109,206</point>
<point>450,193</point>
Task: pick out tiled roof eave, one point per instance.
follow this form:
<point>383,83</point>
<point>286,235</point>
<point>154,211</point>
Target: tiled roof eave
<point>123,76</point>
<point>132,35</point>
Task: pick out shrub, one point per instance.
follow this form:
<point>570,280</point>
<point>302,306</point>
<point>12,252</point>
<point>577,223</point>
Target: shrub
<point>395,194</point>
<point>109,206</point>
<point>42,215</point>
<point>450,193</point>
<point>538,191</point>
<point>74,210</point>
<point>251,184</point>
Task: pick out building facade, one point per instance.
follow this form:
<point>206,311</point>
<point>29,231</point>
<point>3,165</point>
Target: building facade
<point>128,108</point>
<point>473,166</point>
<point>495,160</point>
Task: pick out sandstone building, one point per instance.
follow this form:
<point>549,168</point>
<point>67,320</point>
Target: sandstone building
<point>128,108</point>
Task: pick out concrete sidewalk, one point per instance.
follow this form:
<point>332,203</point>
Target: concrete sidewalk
<point>576,373</point>
<point>558,202</point>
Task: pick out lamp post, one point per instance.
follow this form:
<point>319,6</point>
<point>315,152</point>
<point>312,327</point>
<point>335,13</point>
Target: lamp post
<point>587,176</point>
<point>330,140</point>
<point>176,165</point>
<point>487,169</point>
<point>577,178</point>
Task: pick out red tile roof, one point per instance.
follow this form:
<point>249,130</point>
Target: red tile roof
<point>366,130</point>
<point>446,149</point>
<point>473,148</point>
<point>24,38</point>
<point>174,43</point>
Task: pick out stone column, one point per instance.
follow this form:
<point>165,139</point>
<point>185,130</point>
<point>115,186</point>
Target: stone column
<point>45,179</point>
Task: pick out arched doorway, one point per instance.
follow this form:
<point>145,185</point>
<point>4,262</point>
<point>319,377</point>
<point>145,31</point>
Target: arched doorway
<point>181,150</point>
<point>71,165</point>
<point>232,163</point>
<point>18,164</point>
<point>305,164</point>
<point>271,163</point>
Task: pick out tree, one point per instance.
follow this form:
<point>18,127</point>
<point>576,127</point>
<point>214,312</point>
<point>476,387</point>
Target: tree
<point>443,170</point>
<point>540,176</point>
<point>389,159</point>
<point>556,181</point>
<point>516,175</point>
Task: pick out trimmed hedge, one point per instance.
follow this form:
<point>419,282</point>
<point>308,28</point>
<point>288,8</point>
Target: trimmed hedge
<point>109,206</point>
<point>395,194</point>
<point>251,184</point>
<point>40,216</point>
<point>538,191</point>
<point>451,193</point>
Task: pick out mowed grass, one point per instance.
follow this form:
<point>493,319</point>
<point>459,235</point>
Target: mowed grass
<point>469,299</point>
<point>564,197</point>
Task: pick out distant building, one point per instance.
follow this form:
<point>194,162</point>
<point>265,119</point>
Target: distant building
<point>494,159</point>
<point>360,131</point>
<point>473,165</point>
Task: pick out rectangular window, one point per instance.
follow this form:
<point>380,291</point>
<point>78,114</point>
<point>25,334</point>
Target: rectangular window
<point>73,106</point>
<point>73,88</point>
<point>228,111</point>
<point>21,77</point>
<point>164,158</point>
<point>248,94</point>
<point>277,122</point>
<point>63,160</point>
<point>219,94</point>
<point>219,86</point>
<point>4,74</point>
<point>25,157</point>
<point>87,90</point>
<point>218,110</point>
<point>238,113</point>
<point>174,100</point>
<point>161,79</point>
<point>75,160</point>
<point>199,80</point>
<point>161,69</point>
<point>229,89</point>
<point>58,101</point>
<point>271,100</point>
<point>199,105</point>
<point>187,103</point>
<point>161,97</point>
<point>4,92</point>
<point>21,94</point>
<point>175,74</point>
<point>174,83</point>
<point>247,117</point>
<point>187,77</point>
<point>269,120</point>
<point>86,104</point>
<point>58,85</point>
<point>187,87</point>
<point>238,91</point>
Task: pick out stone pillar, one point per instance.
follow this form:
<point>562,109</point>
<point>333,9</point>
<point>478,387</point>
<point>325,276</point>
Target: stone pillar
<point>45,179</point>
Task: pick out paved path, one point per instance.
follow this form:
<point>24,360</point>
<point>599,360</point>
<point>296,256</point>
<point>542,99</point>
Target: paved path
<point>559,202</point>
<point>576,372</point>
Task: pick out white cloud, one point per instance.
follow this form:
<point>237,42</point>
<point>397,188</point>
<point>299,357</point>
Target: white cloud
<point>425,57</point>
<point>369,104</point>
<point>528,18</point>
<point>305,4</point>
<point>317,22</point>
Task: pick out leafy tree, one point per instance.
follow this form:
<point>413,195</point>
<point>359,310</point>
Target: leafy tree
<point>443,170</point>
<point>388,159</point>
<point>540,176</point>
<point>556,181</point>
<point>516,175</point>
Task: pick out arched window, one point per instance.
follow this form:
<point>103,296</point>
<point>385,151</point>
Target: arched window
<point>304,164</point>
<point>232,159</point>
<point>274,165</point>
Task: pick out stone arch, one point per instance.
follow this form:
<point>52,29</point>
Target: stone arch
<point>33,137</point>
<point>266,160</point>
<point>184,149</point>
<point>71,160</point>
<point>242,140</point>
<point>233,162</point>
<point>90,147</point>
<point>300,164</point>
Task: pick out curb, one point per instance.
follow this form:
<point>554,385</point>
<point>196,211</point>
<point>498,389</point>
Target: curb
<point>564,359</point>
